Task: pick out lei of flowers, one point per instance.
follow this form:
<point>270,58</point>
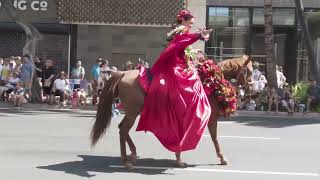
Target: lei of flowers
<point>214,84</point>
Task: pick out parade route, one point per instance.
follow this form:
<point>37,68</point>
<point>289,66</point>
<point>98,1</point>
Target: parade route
<point>54,144</point>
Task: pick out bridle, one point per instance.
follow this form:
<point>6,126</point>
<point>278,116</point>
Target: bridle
<point>244,71</point>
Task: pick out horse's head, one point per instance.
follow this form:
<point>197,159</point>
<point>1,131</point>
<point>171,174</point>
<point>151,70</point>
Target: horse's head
<point>240,69</point>
<point>244,77</point>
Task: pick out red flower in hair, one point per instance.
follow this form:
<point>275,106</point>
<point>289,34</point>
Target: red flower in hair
<point>183,13</point>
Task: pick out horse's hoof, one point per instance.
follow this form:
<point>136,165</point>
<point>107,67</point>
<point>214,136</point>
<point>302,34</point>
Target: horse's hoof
<point>180,164</point>
<point>128,165</point>
<point>133,158</point>
<point>223,162</point>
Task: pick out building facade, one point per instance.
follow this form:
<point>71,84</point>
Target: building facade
<point>239,28</point>
<point>131,29</point>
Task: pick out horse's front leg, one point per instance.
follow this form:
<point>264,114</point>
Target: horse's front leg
<point>212,126</point>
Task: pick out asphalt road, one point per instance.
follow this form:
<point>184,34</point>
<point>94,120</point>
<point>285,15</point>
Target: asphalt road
<point>54,145</point>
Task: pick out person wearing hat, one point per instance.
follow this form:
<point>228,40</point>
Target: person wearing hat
<point>129,66</point>
<point>60,87</point>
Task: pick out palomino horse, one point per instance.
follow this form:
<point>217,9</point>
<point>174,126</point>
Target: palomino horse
<point>125,85</point>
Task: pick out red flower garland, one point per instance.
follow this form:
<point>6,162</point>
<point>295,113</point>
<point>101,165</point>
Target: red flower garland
<point>215,84</point>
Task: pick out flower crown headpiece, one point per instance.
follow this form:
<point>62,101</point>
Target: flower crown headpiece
<point>183,13</point>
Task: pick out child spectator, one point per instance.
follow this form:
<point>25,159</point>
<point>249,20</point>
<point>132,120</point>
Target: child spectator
<point>18,96</point>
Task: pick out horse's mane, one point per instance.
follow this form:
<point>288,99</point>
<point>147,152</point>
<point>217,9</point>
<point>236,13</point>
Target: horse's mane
<point>231,66</point>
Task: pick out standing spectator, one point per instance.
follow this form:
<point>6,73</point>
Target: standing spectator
<point>26,73</point>
<point>256,72</point>
<point>313,94</point>
<point>105,72</point>
<point>95,72</point>
<point>273,98</point>
<point>1,65</point>
<point>281,79</point>
<point>287,100</point>
<point>18,96</point>
<point>13,62</point>
<point>6,70</point>
<point>17,68</point>
<point>77,74</point>
<point>47,78</point>
<point>39,67</point>
<point>129,66</point>
<point>60,87</point>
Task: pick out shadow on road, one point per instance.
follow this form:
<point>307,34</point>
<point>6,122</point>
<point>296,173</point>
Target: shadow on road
<point>13,112</point>
<point>273,122</point>
<point>103,164</point>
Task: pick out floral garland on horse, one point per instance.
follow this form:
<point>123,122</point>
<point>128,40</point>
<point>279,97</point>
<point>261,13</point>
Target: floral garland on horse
<point>214,83</point>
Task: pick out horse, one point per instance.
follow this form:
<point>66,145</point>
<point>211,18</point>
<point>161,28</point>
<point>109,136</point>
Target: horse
<point>125,85</point>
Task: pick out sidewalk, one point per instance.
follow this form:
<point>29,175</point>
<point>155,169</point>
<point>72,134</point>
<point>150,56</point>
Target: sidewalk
<point>89,107</point>
<point>279,114</point>
<point>30,106</point>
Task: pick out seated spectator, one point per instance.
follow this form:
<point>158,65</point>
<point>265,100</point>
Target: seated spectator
<point>287,100</point>
<point>47,78</point>
<point>18,96</point>
<point>82,97</point>
<point>313,94</point>
<point>273,98</point>
<point>10,84</point>
<point>60,88</point>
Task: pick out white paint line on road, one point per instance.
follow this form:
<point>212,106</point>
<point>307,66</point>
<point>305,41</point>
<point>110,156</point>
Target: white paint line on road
<point>223,171</point>
<point>246,137</point>
<point>226,122</point>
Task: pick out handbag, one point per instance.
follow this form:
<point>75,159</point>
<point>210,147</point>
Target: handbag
<point>47,83</point>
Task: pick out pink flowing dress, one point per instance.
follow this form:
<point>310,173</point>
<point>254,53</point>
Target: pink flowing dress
<point>176,109</point>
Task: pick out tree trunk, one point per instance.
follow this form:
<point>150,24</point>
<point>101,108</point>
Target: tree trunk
<point>32,37</point>
<point>269,43</point>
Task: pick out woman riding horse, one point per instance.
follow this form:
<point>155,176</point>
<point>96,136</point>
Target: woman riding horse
<point>175,106</point>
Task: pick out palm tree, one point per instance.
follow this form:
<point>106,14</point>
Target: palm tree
<point>269,44</point>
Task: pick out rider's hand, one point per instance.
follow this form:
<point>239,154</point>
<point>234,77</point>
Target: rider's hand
<point>206,34</point>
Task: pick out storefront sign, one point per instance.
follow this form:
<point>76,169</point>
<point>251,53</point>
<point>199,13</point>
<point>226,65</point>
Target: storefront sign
<point>32,10</point>
<point>23,5</point>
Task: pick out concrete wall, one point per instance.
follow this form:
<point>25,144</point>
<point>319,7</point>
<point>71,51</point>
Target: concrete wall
<point>198,9</point>
<point>119,44</point>
<point>259,3</point>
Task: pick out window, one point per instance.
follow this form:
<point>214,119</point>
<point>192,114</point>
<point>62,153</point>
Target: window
<point>280,16</point>
<point>230,37</point>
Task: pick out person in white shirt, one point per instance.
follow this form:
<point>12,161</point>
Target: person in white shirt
<point>60,87</point>
<point>105,72</point>
<point>1,65</point>
<point>281,79</point>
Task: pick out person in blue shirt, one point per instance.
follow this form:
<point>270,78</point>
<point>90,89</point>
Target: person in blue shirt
<point>95,72</point>
<point>26,73</point>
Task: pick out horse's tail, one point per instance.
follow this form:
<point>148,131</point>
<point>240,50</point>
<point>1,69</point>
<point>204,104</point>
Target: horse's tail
<point>104,112</point>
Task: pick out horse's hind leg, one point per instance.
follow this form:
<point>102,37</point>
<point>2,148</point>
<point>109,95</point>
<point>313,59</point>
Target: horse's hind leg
<point>133,150</point>
<point>212,126</point>
<point>125,127</point>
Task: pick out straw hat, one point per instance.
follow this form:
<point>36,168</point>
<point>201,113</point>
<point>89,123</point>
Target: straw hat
<point>129,63</point>
<point>257,64</point>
